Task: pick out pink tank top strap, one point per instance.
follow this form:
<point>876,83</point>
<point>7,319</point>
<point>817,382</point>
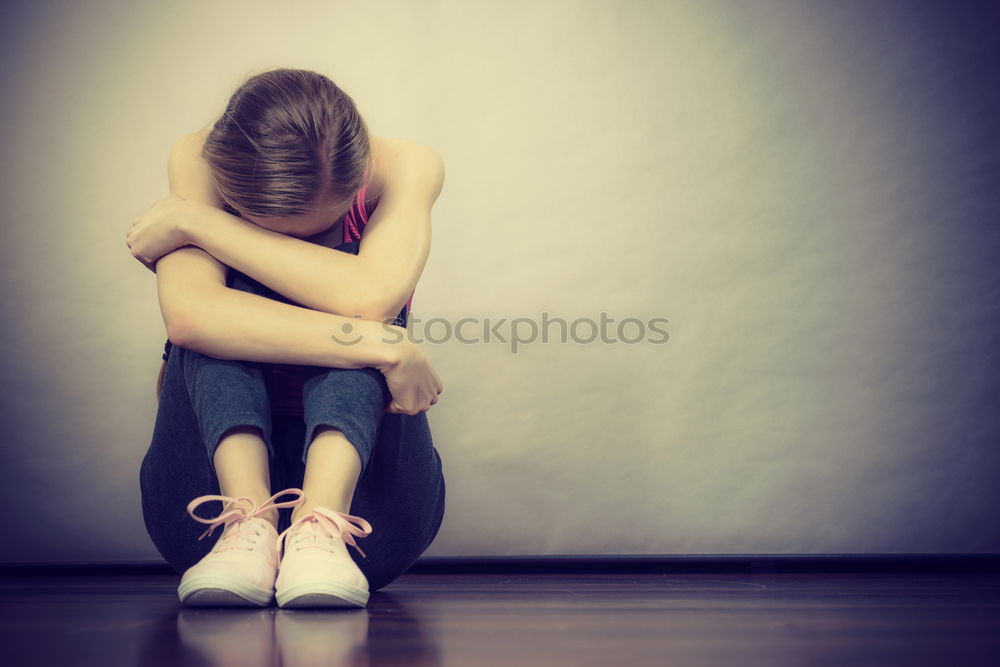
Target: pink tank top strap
<point>355,222</point>
<point>356,218</point>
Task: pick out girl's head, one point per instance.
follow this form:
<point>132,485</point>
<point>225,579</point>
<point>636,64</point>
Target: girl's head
<point>290,151</point>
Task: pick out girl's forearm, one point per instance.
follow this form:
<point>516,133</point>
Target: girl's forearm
<point>233,324</point>
<point>313,275</point>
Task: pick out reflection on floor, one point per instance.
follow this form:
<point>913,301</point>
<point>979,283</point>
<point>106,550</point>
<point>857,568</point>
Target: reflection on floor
<point>774,619</point>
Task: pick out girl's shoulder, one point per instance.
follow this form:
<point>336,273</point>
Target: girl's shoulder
<point>389,150</point>
<point>398,158</point>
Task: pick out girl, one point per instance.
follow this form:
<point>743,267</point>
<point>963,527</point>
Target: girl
<point>285,257</point>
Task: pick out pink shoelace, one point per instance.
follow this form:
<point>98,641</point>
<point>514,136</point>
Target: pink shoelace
<point>334,524</point>
<point>235,513</point>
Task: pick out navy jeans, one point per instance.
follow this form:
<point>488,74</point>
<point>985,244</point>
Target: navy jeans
<point>401,490</point>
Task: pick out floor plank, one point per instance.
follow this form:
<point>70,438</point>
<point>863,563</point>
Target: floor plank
<point>526,619</point>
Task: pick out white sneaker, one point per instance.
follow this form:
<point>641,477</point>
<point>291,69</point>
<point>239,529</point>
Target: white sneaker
<point>316,570</point>
<point>241,568</point>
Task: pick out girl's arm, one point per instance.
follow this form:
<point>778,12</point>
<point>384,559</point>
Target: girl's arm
<point>208,317</point>
<point>203,314</point>
<point>375,283</point>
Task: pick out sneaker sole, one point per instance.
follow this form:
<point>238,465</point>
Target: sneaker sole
<point>322,594</point>
<point>220,591</point>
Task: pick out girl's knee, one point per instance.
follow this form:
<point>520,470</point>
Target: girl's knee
<point>202,369</point>
<point>355,383</point>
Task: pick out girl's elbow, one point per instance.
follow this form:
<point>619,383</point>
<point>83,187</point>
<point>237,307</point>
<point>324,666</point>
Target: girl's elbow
<point>383,309</point>
<point>368,306</point>
<point>178,334</point>
<point>183,331</point>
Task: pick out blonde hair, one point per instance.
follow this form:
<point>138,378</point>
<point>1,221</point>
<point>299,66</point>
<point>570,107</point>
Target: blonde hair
<point>289,139</point>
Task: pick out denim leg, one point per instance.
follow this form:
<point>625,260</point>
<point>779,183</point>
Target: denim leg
<point>402,495</point>
<point>225,393</point>
<point>350,399</point>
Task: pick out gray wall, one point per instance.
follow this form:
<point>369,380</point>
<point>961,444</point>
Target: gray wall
<point>807,191</point>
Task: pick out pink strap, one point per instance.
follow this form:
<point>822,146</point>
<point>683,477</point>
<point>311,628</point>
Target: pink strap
<point>334,523</point>
<point>362,209</point>
<point>232,512</point>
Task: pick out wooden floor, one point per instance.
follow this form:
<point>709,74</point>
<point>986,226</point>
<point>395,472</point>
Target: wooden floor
<point>774,619</point>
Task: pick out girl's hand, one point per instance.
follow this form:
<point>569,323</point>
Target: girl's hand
<point>412,381</point>
<point>162,229</point>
